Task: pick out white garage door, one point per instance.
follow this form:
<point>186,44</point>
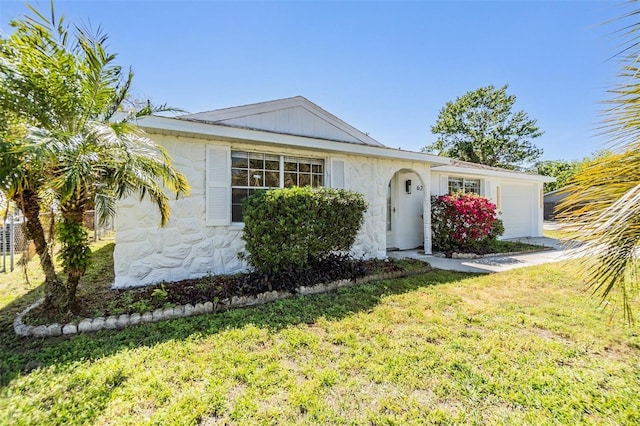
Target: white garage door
<point>517,204</point>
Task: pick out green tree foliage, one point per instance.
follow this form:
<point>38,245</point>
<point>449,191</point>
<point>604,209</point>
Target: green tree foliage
<point>562,170</point>
<point>294,226</point>
<point>481,127</point>
<point>603,203</point>
<point>61,139</point>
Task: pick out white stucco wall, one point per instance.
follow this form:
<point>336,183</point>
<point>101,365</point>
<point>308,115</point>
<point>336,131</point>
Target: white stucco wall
<point>519,202</point>
<point>186,247</point>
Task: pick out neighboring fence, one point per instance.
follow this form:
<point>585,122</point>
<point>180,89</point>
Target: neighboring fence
<point>14,242</point>
<point>103,229</point>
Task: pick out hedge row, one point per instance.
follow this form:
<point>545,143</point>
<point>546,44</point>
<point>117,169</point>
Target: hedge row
<point>292,227</point>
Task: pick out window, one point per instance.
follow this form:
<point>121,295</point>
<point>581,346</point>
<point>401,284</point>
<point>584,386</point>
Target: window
<point>303,172</point>
<point>252,171</point>
<point>464,185</point>
<point>389,205</point>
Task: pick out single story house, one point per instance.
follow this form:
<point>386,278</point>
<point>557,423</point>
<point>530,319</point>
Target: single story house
<point>228,154</point>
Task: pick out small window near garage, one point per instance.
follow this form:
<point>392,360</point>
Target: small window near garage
<point>251,171</point>
<point>464,185</point>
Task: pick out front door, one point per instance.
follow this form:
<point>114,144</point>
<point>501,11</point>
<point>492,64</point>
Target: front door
<point>390,214</point>
<point>405,211</point>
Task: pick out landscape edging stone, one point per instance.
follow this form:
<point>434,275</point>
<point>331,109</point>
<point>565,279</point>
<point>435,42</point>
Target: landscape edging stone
<point>87,325</point>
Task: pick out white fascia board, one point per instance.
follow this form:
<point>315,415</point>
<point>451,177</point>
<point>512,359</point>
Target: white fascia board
<point>495,173</point>
<point>151,123</point>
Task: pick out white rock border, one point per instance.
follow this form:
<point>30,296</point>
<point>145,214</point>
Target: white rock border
<point>88,325</point>
<point>457,255</point>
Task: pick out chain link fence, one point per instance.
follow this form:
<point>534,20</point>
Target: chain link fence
<point>103,230</point>
<point>14,241</point>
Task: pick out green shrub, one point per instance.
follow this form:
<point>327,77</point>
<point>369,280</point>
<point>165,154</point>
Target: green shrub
<point>290,227</point>
<point>463,222</point>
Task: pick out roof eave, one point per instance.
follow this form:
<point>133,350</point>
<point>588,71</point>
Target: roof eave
<point>496,173</point>
<point>215,131</point>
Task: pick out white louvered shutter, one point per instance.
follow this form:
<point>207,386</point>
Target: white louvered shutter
<point>444,185</point>
<point>218,186</point>
<point>485,188</point>
<point>337,174</point>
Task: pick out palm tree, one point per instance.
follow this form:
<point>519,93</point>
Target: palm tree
<point>603,205</point>
<point>78,145</point>
<point>23,181</point>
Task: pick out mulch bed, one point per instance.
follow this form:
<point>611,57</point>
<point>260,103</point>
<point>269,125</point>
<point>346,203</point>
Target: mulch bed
<point>106,301</point>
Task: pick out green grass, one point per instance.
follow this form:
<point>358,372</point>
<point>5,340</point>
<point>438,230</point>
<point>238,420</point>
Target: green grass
<point>500,246</point>
<point>562,234</point>
<point>520,347</point>
<point>558,234</point>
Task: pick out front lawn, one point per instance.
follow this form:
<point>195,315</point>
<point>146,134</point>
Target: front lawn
<point>519,347</point>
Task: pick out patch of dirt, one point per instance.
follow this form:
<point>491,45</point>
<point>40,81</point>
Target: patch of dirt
<point>549,335</point>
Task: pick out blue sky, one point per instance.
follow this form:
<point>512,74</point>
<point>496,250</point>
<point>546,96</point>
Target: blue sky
<point>386,68</point>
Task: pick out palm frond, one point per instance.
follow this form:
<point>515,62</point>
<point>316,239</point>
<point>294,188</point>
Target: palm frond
<point>105,205</point>
<point>602,209</point>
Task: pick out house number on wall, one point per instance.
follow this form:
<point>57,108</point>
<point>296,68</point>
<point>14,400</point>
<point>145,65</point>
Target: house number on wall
<point>419,187</point>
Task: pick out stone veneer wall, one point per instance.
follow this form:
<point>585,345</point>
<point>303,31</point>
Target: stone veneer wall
<point>186,247</point>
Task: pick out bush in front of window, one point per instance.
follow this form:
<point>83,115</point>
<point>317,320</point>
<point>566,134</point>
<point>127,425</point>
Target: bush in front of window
<point>463,223</point>
<point>292,227</point>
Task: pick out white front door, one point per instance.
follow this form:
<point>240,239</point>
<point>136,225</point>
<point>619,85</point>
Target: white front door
<point>390,213</point>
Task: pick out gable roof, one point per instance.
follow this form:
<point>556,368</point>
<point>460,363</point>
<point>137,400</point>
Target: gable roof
<point>217,132</point>
<point>293,116</point>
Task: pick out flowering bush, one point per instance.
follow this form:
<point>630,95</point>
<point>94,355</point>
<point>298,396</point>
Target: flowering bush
<point>463,222</point>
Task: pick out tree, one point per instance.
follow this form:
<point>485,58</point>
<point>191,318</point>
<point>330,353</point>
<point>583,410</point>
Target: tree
<point>480,127</point>
<point>602,208</point>
<point>562,170</point>
<point>59,94</point>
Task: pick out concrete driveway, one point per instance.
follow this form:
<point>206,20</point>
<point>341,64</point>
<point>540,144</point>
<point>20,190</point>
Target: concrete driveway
<point>555,252</point>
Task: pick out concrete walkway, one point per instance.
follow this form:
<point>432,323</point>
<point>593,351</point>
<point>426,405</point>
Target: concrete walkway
<point>495,263</point>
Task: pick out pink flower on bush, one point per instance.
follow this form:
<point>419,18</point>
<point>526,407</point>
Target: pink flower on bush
<point>463,221</point>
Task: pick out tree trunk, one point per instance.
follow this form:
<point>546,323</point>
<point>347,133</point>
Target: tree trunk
<point>54,291</point>
<point>75,250</point>
<point>73,279</point>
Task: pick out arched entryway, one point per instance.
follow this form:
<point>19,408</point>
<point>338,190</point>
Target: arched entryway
<point>405,210</point>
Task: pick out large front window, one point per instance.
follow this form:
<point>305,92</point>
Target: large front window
<point>464,185</point>
<point>252,171</point>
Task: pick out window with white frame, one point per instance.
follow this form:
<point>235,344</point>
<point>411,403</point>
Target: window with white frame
<point>252,171</point>
<point>464,185</point>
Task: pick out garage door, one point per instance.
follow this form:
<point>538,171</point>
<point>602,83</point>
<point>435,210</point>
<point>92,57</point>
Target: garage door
<point>517,204</point>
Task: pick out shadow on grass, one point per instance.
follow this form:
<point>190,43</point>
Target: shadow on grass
<point>20,355</point>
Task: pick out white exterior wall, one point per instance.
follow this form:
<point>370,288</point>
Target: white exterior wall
<point>519,201</point>
<point>186,247</point>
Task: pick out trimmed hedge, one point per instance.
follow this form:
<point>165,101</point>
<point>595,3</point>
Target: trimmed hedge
<point>291,227</point>
<point>463,222</point>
